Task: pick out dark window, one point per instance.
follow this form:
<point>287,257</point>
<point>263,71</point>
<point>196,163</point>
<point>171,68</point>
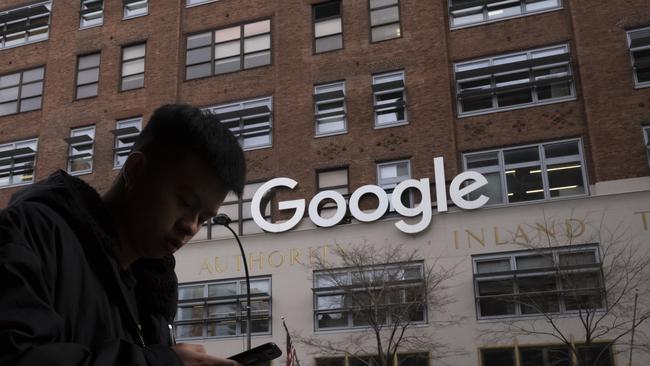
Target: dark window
<point>135,8</point>
<point>126,132</point>
<point>328,27</point>
<point>81,148</point>
<point>251,121</point>
<point>639,43</point>
<point>384,20</point>
<point>25,24</point>
<point>91,13</point>
<point>329,109</point>
<point>389,97</point>
<point>17,162</point>
<point>21,91</point>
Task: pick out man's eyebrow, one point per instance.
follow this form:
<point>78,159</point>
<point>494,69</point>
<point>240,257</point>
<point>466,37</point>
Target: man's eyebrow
<point>196,198</point>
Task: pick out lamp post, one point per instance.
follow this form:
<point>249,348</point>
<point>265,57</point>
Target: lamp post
<point>224,220</point>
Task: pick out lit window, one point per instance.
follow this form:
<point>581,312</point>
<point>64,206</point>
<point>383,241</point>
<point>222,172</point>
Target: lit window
<point>81,149</point>
<point>21,91</point>
<point>227,50</point>
<point>329,109</point>
<point>239,211</point>
<point>91,13</point>
<point>468,12</point>
<point>24,25</point>
<point>646,140</point>
<point>328,28</point>
<point>218,309</point>
<point>558,355</point>
<point>526,173</point>
<point>346,298</point>
<point>17,162</point>
<point>513,81</point>
<point>135,8</point>
<point>639,43</point>
<point>126,132</point>
<point>384,20</point>
<point>544,281</point>
<point>88,75</point>
<point>133,66</point>
<point>390,174</point>
<point>389,99</point>
<point>250,121</point>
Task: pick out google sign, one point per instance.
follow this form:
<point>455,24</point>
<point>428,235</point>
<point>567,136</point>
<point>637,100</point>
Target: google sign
<point>462,184</point>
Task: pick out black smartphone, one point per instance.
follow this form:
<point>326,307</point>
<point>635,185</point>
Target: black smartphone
<point>258,356</point>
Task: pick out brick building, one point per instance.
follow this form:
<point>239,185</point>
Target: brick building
<point>547,99</point>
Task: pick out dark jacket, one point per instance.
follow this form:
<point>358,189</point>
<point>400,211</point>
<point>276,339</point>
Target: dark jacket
<point>64,300</point>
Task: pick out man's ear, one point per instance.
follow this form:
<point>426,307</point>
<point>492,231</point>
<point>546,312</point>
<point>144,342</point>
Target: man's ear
<point>134,169</point>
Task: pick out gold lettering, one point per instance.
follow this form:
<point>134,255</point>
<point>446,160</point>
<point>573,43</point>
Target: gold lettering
<point>205,266</point>
<point>570,232</point>
<point>544,230</point>
<point>471,235</point>
<point>252,260</point>
<point>312,255</point>
<point>521,233</point>
<point>644,219</point>
<point>497,241</point>
<point>294,255</point>
<point>339,249</point>
<point>238,261</point>
<point>456,239</point>
<point>271,261</point>
<point>217,265</point>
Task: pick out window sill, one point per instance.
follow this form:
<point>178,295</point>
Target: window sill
<point>17,185</point>
<point>514,108</point>
<point>135,16</point>
<point>514,318</point>
<point>199,4</point>
<point>329,134</point>
<point>642,85</point>
<point>91,26</point>
<point>25,43</point>
<point>464,26</point>
<point>77,174</point>
<point>395,124</point>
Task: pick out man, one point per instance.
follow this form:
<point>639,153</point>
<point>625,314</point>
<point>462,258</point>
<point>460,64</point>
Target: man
<point>88,280</point>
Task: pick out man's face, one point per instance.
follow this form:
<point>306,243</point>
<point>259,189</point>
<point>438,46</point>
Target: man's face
<point>169,203</point>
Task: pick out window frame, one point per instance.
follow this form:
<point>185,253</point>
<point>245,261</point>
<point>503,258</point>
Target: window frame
<point>524,13</point>
<point>120,148</point>
<point>389,191</point>
<point>238,299</point>
<point>318,102</point>
<point>515,351</point>
<point>127,3</point>
<point>238,135</point>
<point>379,90</point>
<point>72,145</point>
<point>11,160</point>
<point>83,12</point>
<point>646,140</point>
<point>78,71</point>
<point>313,26</point>
<point>399,20</point>
<point>198,3</point>
<point>28,20</point>
<point>240,202</point>
<point>530,69</point>
<point>144,66</point>
<point>348,309</point>
<point>19,99</point>
<point>515,275</point>
<point>543,164</point>
<point>637,83</point>
<point>242,52</point>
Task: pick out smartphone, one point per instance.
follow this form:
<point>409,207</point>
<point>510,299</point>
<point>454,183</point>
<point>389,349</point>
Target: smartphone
<point>259,355</point>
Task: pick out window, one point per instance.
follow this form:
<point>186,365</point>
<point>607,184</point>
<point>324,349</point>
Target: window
<point>539,281</point>
<point>469,12</point>
<point>197,2</point>
<point>559,355</point>
<point>133,66</point>
<point>639,43</point>
<point>88,75</point>
<point>514,81</point>
<point>332,180</point>
<point>25,25</point>
<point>646,140</point>
<point>17,162</point>
<point>135,8</point>
<point>390,174</point>
<point>81,149</point>
<point>91,13</point>
<point>125,134</point>
<point>527,173</point>
<point>239,210</point>
<point>389,99</point>
<point>21,91</point>
<point>329,109</point>
<point>384,20</point>
<point>226,50</point>
<point>403,359</point>
<point>360,297</point>
<point>328,28</point>
<point>218,309</point>
<point>250,121</point>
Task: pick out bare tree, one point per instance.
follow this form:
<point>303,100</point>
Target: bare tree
<point>585,293</point>
<point>386,291</point>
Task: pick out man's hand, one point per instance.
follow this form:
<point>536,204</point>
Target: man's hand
<point>194,355</point>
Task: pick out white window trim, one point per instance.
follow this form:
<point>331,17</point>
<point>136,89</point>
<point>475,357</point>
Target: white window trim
<point>14,143</point>
<point>345,109</point>
<point>81,18</point>
<point>484,22</point>
<point>124,9</point>
<point>91,152</point>
<point>241,103</point>
<point>646,140</point>
<point>116,142</point>
<point>637,84</point>
<point>542,162</point>
<point>403,122</point>
<point>199,3</point>
<point>535,101</point>
<point>47,4</point>
<point>373,27</point>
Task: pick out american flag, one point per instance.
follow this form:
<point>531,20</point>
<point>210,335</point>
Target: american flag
<point>292,358</point>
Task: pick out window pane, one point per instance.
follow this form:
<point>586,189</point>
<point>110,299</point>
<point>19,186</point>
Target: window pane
<point>257,28</point>
<point>226,49</point>
<point>541,5</point>
<point>330,302</point>
<point>384,32</point>
<point>379,3</point>
<point>190,312</point>
<point>492,189</point>
<point>190,292</point>
<point>332,320</point>
<point>9,94</point>
<point>199,40</point>
<point>524,184</point>
<point>133,82</point>
<point>257,59</point>
<point>258,43</point>
<point>88,76</point>
<point>9,80</point>
<point>502,305</point>
<point>515,97</point>
<point>8,108</point>
<point>198,55</point>
<point>328,27</point>
<point>383,16</point>
<point>577,259</point>
<point>327,10</point>
<point>505,357</point>
<point>329,43</point>
<point>532,302</point>
<point>497,265</point>
<point>227,65</point>
<point>222,289</point>
<point>30,104</point>
<point>133,52</point>
<point>133,67</point>
<point>193,72</point>
<point>223,310</point>
<point>30,90</point>
<point>332,178</point>
<point>87,91</point>
<point>516,156</point>
<point>504,9</point>
<point>535,261</point>
<point>565,180</point>
<point>561,149</point>
<point>189,331</point>
<point>89,61</point>
<point>222,328</point>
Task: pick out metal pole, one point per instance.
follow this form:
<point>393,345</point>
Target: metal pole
<point>636,298</point>
<point>248,289</point>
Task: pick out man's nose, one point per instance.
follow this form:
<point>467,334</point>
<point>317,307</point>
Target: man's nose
<point>189,225</point>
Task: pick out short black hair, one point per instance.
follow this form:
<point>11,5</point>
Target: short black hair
<point>176,130</point>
